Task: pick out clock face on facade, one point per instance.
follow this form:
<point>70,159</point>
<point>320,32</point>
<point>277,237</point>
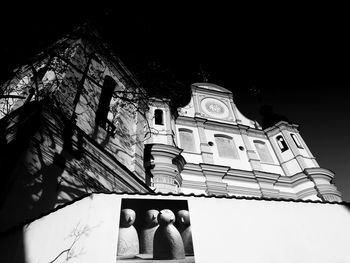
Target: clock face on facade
<point>214,108</point>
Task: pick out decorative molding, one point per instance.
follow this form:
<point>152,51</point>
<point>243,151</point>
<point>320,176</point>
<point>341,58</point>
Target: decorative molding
<point>194,185</point>
<point>156,102</point>
<point>215,89</point>
<point>283,125</point>
<point>318,172</point>
<point>245,191</point>
<point>241,175</point>
<point>307,192</point>
<point>221,126</point>
<point>186,121</point>
<point>166,166</point>
<point>214,175</point>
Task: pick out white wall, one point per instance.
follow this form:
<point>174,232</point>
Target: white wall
<point>223,230</point>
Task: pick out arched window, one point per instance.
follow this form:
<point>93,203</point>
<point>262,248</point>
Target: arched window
<point>281,143</point>
<point>296,140</point>
<point>105,99</point>
<point>158,117</point>
<point>187,140</point>
<point>263,151</point>
<point>226,146</point>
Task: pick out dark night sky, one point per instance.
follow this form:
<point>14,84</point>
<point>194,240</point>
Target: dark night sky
<point>297,57</point>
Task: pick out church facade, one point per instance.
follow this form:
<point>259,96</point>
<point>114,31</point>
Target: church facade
<point>225,153</point>
<point>81,140</point>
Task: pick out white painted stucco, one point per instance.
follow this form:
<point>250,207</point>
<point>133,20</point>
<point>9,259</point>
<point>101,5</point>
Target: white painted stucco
<point>223,230</point>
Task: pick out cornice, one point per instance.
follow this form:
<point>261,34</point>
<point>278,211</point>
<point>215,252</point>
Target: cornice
<point>164,172</point>
<point>232,189</point>
<point>267,177</point>
<point>319,173</point>
<point>224,92</point>
<point>293,180</point>
<point>302,194</point>
<point>212,169</point>
<point>286,195</point>
<point>194,169</point>
<point>241,175</point>
<point>282,125</point>
<point>163,149</point>
<point>220,126</point>
<point>185,120</point>
<point>159,102</point>
<point>194,184</point>
<point>328,189</point>
<point>244,129</point>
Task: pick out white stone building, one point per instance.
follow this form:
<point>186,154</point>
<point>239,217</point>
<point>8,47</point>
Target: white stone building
<point>225,153</point>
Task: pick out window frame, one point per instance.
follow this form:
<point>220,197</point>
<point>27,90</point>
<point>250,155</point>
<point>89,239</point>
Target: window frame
<point>188,131</point>
<point>235,153</point>
<point>284,147</point>
<point>158,116</point>
<point>267,150</point>
<point>103,108</point>
<point>296,140</point>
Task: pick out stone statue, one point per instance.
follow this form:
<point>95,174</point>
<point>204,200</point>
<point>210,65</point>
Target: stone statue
<point>128,241</point>
<point>167,243</point>
<point>147,234</point>
<point>183,219</point>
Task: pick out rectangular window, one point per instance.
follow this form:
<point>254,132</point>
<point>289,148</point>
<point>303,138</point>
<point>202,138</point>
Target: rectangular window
<point>263,152</point>
<point>226,147</point>
<point>281,143</point>
<point>158,117</point>
<point>187,140</point>
<point>105,99</point>
<point>296,140</point>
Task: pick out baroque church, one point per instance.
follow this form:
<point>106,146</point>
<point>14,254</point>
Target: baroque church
<point>80,138</point>
<point>226,153</point>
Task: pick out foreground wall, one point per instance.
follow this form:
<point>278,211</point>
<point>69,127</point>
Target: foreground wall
<point>223,230</point>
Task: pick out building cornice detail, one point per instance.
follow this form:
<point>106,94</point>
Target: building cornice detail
<point>239,190</point>
<point>282,125</point>
<point>318,172</point>
<point>307,192</point>
<point>222,92</point>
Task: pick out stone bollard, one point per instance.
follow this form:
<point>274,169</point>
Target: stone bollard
<point>128,241</point>
<point>167,243</point>
<point>183,219</point>
<point>147,234</point>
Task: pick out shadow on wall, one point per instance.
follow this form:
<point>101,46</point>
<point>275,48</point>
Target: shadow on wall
<point>347,206</point>
<point>44,166</point>
<point>12,248</point>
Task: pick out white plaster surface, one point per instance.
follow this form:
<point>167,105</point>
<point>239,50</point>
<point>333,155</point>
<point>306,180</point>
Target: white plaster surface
<point>223,230</point>
<point>293,167</point>
<point>192,157</point>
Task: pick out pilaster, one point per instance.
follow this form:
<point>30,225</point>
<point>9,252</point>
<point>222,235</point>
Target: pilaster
<point>253,158</point>
<point>267,182</point>
<point>214,175</point>
<point>207,154</point>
